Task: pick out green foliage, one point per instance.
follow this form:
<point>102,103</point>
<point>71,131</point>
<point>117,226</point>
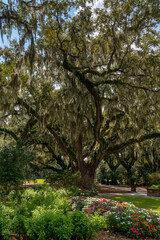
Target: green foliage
<point>35,181</point>
<point>154,178</point>
<point>5,220</point>
<point>75,191</point>
<point>65,179</point>
<point>30,199</point>
<point>97,222</point>
<point>81,225</point>
<point>14,167</point>
<point>90,193</point>
<point>155,186</point>
<point>47,224</point>
<point>112,222</point>
<point>107,176</point>
<point>43,213</point>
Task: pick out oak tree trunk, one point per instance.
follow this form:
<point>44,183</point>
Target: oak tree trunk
<point>88,174</point>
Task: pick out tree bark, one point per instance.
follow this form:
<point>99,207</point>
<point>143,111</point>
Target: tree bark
<point>88,174</point>
<point>131,181</point>
<point>87,170</point>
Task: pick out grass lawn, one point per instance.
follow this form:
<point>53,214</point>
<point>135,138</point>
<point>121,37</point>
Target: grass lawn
<point>152,204</point>
<point>36,181</point>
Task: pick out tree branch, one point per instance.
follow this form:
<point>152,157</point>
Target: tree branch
<point>120,147</point>
<point>9,132</point>
<point>90,87</point>
<point>30,110</point>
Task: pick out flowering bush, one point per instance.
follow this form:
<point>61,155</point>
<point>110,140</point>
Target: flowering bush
<point>120,216</point>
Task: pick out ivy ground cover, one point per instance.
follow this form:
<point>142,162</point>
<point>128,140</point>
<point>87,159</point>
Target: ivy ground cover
<point>121,217</point>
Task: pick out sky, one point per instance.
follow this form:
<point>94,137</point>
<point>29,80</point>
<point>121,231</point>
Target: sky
<point>5,42</point>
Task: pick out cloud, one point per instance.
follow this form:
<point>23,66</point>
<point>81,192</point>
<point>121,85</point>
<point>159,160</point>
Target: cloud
<point>98,3</point>
<point>94,5</point>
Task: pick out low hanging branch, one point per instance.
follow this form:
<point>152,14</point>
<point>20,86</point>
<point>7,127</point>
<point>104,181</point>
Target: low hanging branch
<point>9,132</point>
<point>120,147</point>
<point>61,144</point>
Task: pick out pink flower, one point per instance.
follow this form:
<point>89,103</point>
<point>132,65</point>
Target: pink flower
<point>132,229</point>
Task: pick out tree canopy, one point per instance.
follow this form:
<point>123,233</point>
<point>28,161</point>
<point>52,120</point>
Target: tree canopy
<point>91,77</point>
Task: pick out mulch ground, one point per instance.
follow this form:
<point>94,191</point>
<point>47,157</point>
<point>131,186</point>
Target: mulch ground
<point>104,235</point>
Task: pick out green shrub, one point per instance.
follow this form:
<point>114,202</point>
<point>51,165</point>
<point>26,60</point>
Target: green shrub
<point>43,214</point>
<point>47,224</point>
<point>29,199</point>
<point>6,221</point>
<point>154,178</point>
<point>65,179</point>
<point>82,226</point>
<point>73,191</point>
<point>90,193</point>
<point>112,222</point>
<point>13,167</point>
<point>19,225</point>
<point>96,224</point>
<point>155,186</point>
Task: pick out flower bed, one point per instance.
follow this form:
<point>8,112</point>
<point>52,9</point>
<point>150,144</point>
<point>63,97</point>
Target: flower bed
<point>121,217</point>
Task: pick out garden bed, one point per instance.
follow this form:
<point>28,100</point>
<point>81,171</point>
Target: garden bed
<point>105,235</point>
<point>36,214</point>
<point>121,217</point>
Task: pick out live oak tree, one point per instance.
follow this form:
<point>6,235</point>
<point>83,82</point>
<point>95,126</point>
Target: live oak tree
<point>91,79</point>
<point>20,131</point>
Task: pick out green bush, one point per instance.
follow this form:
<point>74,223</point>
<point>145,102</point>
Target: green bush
<point>5,221</point>
<point>82,227</point>
<point>97,223</point>
<point>155,186</point>
<point>154,178</point>
<point>43,214</point>
<point>65,179</point>
<point>29,199</point>
<point>14,167</point>
<point>48,224</point>
<point>73,191</point>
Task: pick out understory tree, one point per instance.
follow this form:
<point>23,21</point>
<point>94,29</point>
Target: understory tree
<point>89,76</point>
